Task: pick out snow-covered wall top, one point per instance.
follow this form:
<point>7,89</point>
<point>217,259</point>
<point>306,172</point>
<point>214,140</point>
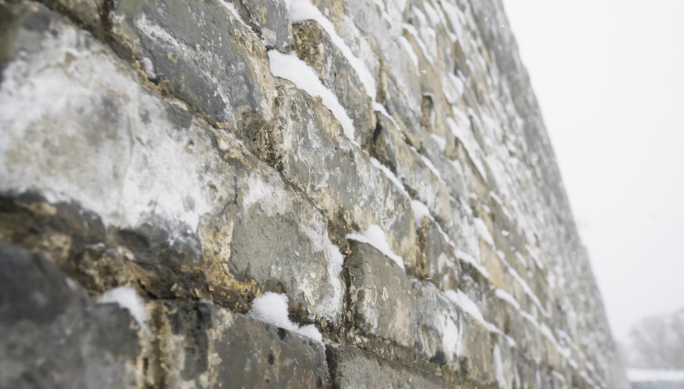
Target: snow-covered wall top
<point>267,193</point>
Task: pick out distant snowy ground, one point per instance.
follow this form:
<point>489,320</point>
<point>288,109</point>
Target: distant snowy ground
<point>654,375</point>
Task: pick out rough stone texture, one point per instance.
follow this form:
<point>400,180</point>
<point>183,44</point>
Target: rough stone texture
<point>53,336</point>
<point>147,144</point>
<point>179,205</point>
<point>270,20</point>
<point>354,368</point>
<point>201,52</point>
<point>313,46</point>
<point>307,145</point>
<point>203,345</point>
<point>380,295</point>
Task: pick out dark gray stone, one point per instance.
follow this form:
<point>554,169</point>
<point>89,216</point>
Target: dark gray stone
<point>200,50</point>
<point>441,266</point>
<point>404,111</point>
<point>203,345</point>
<point>53,336</point>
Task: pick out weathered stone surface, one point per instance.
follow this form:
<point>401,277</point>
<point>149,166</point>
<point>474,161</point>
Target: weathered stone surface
<point>354,368</point>
<point>439,334</point>
<point>202,345</point>
<point>476,363</point>
<point>381,298</point>
<point>404,109</point>
<point>202,52</point>
<point>314,46</point>
<point>89,13</point>
<point>147,144</point>
<point>189,212</point>
<point>270,20</point>
<point>52,336</point>
<point>390,147</point>
<point>437,261</point>
<point>309,148</point>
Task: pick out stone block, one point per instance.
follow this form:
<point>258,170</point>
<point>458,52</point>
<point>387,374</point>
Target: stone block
<point>53,336</point>
<point>307,145</point>
<point>202,52</point>
<point>382,301</point>
<point>314,46</point>
<point>87,13</point>
<point>476,360</point>
<point>438,327</point>
<point>438,262</point>
<point>203,345</point>
<point>270,20</point>
<point>354,368</point>
<point>389,147</point>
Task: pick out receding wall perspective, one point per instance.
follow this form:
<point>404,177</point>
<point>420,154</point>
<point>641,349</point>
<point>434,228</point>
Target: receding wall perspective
<point>284,194</point>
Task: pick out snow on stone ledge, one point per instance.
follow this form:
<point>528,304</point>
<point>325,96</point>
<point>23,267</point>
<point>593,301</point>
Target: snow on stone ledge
<point>127,298</point>
<point>272,308</point>
<point>655,375</point>
<point>388,173</point>
<point>304,10</point>
<point>291,68</point>
<point>375,237</point>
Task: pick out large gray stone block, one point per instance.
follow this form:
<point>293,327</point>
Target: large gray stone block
<point>53,336</point>
<point>201,51</point>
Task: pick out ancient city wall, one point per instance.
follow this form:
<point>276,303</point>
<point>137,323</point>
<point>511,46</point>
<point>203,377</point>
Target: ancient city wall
<point>347,194</point>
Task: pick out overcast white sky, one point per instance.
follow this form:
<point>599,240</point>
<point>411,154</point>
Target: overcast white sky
<point>609,76</point>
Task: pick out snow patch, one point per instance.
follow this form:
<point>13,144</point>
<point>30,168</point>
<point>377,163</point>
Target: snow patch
<point>498,367</point>
<point>390,175</point>
<point>503,295</point>
<point>472,261</point>
<point>409,50</point>
<point>468,306</point>
<point>483,231</point>
<point>440,140</point>
<point>127,298</point>
<point>236,15</point>
<point>375,237</point>
<point>412,30</point>
<point>304,10</point>
<point>419,212</point>
<point>272,308</point>
<point>289,67</point>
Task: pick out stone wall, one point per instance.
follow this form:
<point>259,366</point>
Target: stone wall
<point>267,193</point>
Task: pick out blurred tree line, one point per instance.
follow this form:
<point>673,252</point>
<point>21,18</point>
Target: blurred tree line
<point>656,342</point>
